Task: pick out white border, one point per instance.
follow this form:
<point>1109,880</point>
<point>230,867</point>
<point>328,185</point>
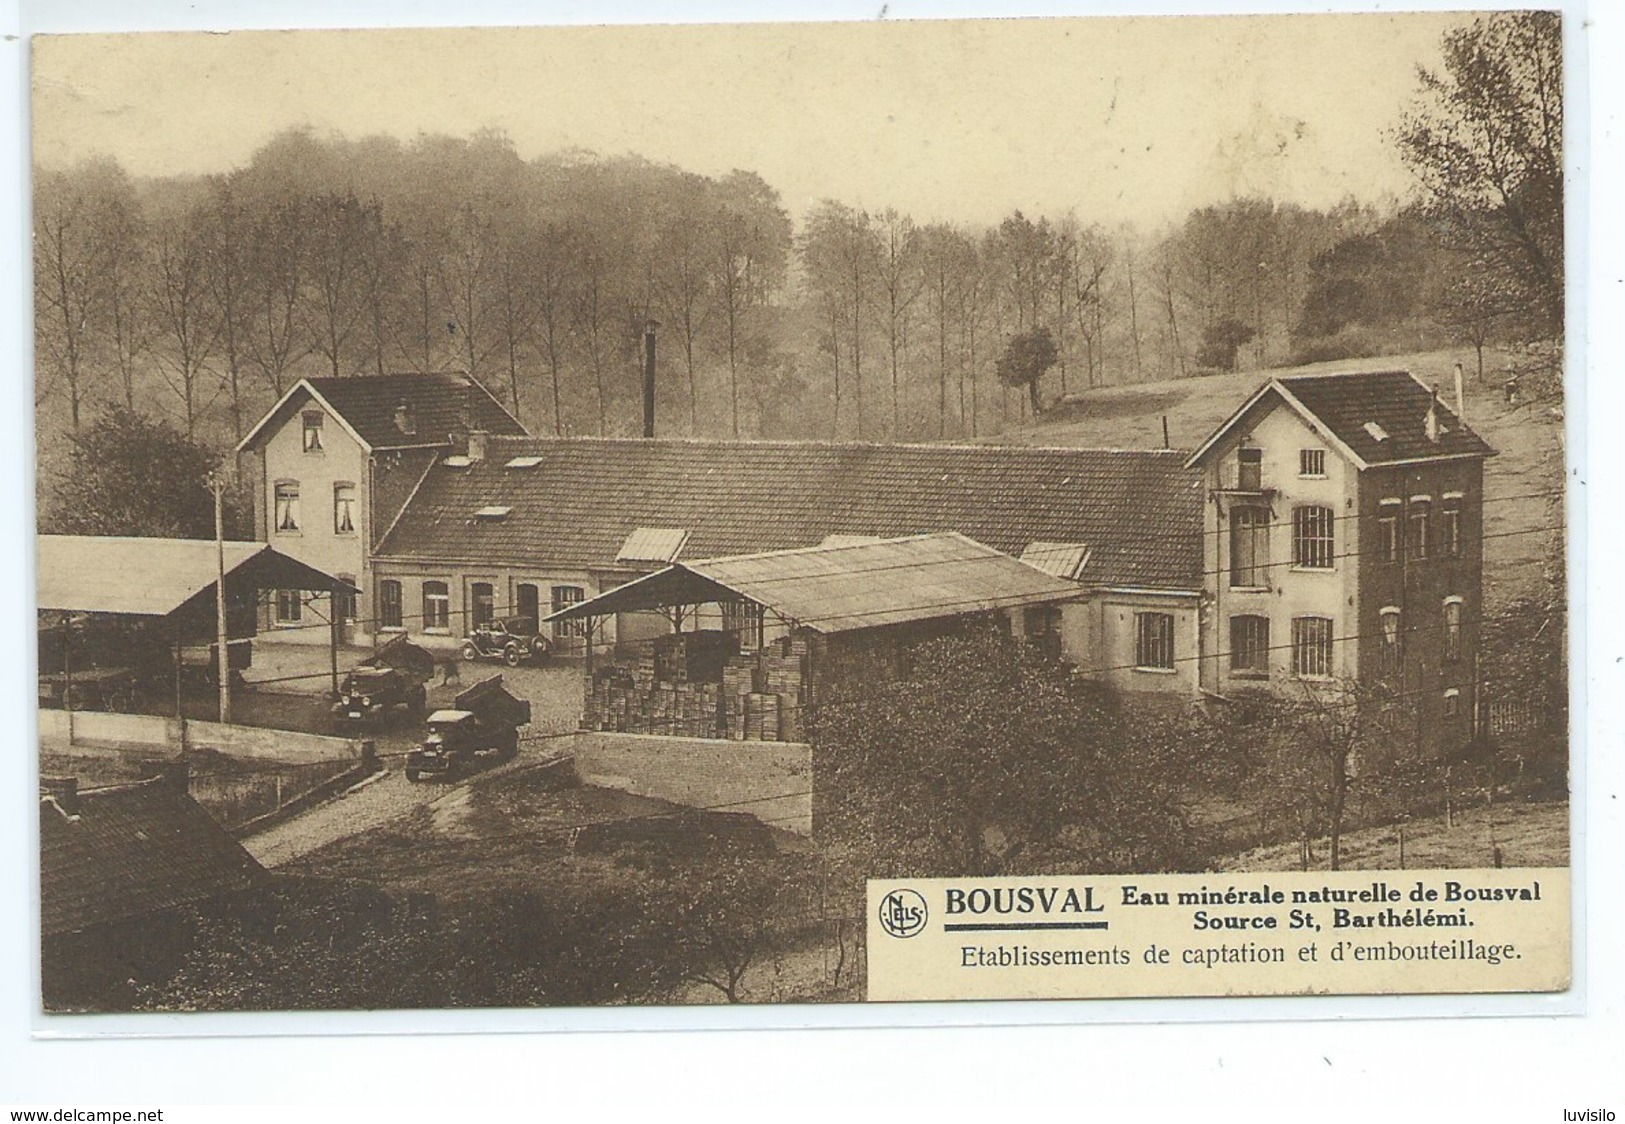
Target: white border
<point>1494,1067</point>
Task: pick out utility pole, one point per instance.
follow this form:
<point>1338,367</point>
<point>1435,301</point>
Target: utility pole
<point>217,484</point>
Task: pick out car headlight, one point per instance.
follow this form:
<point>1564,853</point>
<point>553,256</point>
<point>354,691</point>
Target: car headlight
<point>366,700</point>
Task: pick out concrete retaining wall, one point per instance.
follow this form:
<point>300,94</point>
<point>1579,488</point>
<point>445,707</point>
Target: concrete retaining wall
<point>769,780</point>
<point>94,727</point>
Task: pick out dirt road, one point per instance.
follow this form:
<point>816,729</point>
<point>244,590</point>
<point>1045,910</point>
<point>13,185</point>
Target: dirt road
<point>381,799</point>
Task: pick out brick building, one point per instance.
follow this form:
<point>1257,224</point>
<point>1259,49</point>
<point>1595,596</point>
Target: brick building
<point>1343,535</point>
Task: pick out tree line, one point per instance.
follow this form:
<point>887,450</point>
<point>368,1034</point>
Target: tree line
<point>204,298</point>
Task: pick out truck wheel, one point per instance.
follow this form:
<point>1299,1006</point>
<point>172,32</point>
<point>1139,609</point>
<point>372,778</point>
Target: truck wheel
<point>469,651</point>
<point>412,775</point>
<point>511,655</point>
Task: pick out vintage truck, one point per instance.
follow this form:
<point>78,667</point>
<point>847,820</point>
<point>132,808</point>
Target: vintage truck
<point>482,723</point>
<point>391,678</point>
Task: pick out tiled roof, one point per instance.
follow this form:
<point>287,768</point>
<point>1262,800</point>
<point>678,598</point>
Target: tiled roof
<point>440,403</point>
<point>1139,512</point>
<point>130,851</point>
<point>1379,416</point>
<point>1396,402</point>
<point>862,585</point>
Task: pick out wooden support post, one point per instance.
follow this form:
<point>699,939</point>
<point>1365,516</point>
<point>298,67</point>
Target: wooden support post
<point>333,639</point>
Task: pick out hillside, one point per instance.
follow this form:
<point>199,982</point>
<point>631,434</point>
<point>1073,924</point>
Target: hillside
<point>1528,440</point>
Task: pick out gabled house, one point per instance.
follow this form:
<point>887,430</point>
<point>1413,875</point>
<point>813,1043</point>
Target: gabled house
<point>1343,527</point>
<point>334,462</point>
<point>533,526</point>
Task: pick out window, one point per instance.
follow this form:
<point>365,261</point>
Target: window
<point>482,601</point>
<point>1391,650</point>
<point>1418,540</point>
<point>287,506</point>
<point>290,604</point>
<point>1388,533</point>
<point>344,509</point>
<point>1452,703</point>
<point>344,601</point>
<point>1249,547</point>
<point>563,597</point>
<point>436,607</point>
<point>1312,646</point>
<point>1450,532</point>
<point>1250,645</point>
<point>1311,462</point>
<point>1154,641</point>
<point>1452,628</point>
<point>390,613</point>
<point>1250,470</point>
<point>1312,538</point>
<point>313,433</point>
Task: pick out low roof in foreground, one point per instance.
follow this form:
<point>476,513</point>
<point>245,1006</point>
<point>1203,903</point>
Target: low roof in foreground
<point>832,589</point>
<point>155,577</point>
<point>129,851</point>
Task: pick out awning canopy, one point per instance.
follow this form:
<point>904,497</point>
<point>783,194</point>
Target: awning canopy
<point>158,577</point>
<point>843,588</point>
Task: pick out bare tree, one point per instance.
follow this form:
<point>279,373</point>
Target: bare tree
<point>188,328</point>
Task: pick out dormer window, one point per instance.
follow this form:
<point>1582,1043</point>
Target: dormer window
<point>313,433</point>
<point>404,420</point>
<point>1250,470</point>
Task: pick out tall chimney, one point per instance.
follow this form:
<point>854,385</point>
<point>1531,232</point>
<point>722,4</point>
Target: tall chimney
<point>1430,423</point>
<point>1461,405</point>
<point>649,377</point>
<point>476,444</point>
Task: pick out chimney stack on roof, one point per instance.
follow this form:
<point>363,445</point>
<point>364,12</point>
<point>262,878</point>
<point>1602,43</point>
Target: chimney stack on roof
<point>1430,424</point>
<point>403,418</point>
<point>476,444</point>
<point>1461,404</point>
<point>649,377</point>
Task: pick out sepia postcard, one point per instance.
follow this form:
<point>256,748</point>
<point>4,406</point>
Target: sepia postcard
<point>828,513</point>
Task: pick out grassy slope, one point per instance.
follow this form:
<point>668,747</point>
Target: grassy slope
<point>1528,438</point>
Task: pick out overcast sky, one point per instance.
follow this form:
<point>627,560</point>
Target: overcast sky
<point>1126,120</point>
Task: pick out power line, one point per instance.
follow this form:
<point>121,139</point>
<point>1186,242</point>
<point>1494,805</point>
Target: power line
<point>997,558</point>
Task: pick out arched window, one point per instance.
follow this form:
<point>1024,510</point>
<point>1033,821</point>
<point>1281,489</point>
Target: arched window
<point>1391,644</point>
<point>1312,538</point>
<point>1452,628</point>
<point>1250,645</point>
<point>1312,647</point>
<point>390,614</point>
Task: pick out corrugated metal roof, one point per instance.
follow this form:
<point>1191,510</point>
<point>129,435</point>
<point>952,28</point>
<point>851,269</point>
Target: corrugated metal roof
<point>153,577</point>
<point>1139,511</point>
<point>1064,560</point>
<point>130,851</point>
<point>653,544</point>
<point>845,588</point>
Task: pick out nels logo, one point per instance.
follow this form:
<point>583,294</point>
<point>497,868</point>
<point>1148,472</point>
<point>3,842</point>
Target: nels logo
<point>902,913</point>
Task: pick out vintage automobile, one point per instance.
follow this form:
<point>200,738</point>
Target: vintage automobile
<point>509,639</point>
<point>393,677</point>
<point>481,724</point>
